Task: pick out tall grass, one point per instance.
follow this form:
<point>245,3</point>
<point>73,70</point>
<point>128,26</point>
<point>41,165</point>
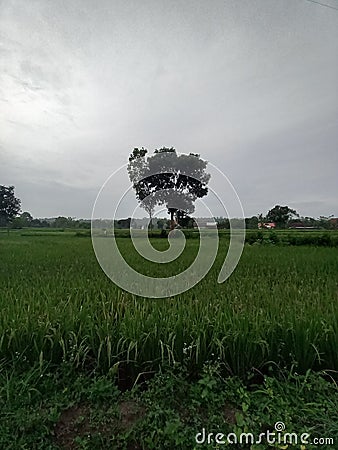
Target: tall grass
<point>278,308</point>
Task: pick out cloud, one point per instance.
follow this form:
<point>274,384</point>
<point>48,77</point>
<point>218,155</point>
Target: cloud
<point>249,85</point>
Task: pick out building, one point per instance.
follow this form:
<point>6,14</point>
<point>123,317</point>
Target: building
<point>267,225</point>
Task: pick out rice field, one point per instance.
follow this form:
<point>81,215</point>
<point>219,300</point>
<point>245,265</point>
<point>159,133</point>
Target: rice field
<point>277,311</point>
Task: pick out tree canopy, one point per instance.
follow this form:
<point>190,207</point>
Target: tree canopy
<point>166,178</point>
<point>9,205</point>
<point>281,215</point>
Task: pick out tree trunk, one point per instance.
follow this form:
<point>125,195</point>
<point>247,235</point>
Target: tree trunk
<point>172,220</point>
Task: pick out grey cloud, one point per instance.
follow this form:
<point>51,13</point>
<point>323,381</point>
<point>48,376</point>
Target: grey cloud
<point>249,85</point>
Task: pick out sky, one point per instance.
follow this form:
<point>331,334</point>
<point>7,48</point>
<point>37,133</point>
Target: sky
<point>250,85</point>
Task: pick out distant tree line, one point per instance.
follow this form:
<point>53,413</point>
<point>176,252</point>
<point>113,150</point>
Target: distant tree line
<point>282,216</point>
<point>25,220</point>
<point>285,217</point>
<point>251,223</point>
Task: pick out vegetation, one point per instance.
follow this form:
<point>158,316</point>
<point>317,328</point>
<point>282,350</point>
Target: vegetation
<point>43,409</point>
<point>281,215</point>
<point>85,365</point>
<point>166,178</point>
<point>318,238</point>
<point>9,205</point>
<point>160,180</point>
<point>278,308</point>
<point>25,220</point>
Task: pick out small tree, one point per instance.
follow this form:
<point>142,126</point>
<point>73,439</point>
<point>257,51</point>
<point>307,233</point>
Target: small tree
<point>324,222</point>
<point>162,224</point>
<point>26,218</point>
<point>148,203</point>
<point>222,223</point>
<point>251,222</point>
<point>9,205</point>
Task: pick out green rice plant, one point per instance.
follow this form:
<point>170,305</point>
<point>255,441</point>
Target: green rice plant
<point>278,308</point>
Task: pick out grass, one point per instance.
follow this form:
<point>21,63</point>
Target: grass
<point>43,410</point>
<point>67,334</point>
<point>279,307</point>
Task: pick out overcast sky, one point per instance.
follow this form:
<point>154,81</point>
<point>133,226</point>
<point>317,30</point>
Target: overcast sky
<point>251,85</point>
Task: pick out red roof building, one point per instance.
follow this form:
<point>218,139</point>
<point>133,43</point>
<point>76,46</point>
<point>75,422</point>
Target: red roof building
<point>268,225</point>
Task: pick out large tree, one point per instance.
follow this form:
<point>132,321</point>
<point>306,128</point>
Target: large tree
<point>281,215</point>
<point>9,205</point>
<point>169,179</point>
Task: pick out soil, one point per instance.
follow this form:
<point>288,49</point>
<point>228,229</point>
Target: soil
<point>75,422</point>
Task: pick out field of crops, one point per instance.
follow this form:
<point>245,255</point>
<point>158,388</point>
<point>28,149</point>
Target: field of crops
<point>277,311</point>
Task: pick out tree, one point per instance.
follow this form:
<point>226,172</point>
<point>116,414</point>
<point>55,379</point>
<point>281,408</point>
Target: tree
<point>181,180</point>
<point>124,223</point>
<point>251,222</point>
<point>168,179</point>
<point>84,224</point>
<point>324,222</point>
<point>61,222</point>
<point>222,223</point>
<point>162,224</point>
<point>261,218</point>
<point>281,215</point>
<point>187,222</point>
<point>148,203</point>
<point>36,223</point>
<point>23,220</point>
<point>26,218</point>
<point>9,205</point>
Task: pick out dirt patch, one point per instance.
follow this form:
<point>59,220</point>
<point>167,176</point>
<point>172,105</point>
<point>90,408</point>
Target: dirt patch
<point>229,413</point>
<point>131,412</point>
<point>78,421</point>
<point>72,423</point>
